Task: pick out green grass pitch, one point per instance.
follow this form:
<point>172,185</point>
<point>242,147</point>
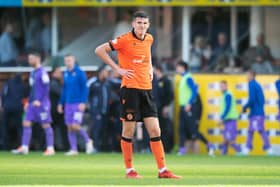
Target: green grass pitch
<point>107,170</point>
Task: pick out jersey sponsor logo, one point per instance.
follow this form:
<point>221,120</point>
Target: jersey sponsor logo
<point>139,59</point>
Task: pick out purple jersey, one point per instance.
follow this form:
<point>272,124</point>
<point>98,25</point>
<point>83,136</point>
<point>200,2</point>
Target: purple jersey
<point>39,82</point>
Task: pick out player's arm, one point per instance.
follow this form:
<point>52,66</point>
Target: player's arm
<point>102,51</point>
<point>251,98</point>
<point>193,88</point>
<point>62,98</point>
<point>84,91</point>
<point>45,90</point>
<point>227,107</point>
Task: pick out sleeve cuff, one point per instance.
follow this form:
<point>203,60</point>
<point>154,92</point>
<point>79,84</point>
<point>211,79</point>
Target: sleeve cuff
<point>111,46</point>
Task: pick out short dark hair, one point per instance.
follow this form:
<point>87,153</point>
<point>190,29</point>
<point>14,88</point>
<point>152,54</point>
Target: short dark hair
<point>69,54</point>
<point>253,73</point>
<point>224,82</point>
<point>158,67</point>
<point>184,65</point>
<point>140,14</point>
<point>35,53</point>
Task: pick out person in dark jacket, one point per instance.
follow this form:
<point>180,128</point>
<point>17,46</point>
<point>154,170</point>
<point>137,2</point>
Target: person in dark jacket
<point>61,142</point>
<point>99,96</point>
<point>13,93</point>
<point>164,97</point>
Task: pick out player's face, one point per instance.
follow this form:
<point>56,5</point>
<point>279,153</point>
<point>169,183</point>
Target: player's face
<point>33,60</point>
<point>223,87</point>
<point>249,76</point>
<point>69,62</point>
<point>140,25</point>
<point>180,70</point>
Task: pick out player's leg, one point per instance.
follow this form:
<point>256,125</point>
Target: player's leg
<point>30,115</point>
<point>128,129</point>
<point>129,115</point>
<point>25,139</point>
<point>152,126</point>
<point>251,130</point>
<point>232,134</point>
<point>182,132</point>
<point>149,112</point>
<point>72,138</point>
<point>82,132</point>
<point>44,117</point>
<point>49,139</point>
<point>225,147</point>
<point>262,132</point>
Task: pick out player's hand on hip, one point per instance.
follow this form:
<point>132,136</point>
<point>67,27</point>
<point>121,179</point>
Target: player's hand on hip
<point>126,73</point>
<point>36,103</point>
<point>60,109</point>
<point>82,107</point>
<point>188,107</point>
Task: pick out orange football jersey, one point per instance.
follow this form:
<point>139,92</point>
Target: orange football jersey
<point>135,54</point>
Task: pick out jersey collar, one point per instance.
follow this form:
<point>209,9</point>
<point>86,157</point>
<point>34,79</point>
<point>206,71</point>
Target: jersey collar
<point>135,36</point>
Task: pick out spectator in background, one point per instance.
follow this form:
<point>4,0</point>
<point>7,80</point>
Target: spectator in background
<point>13,93</point>
<point>199,55</point>
<point>60,129</point>
<point>261,49</point>
<point>32,37</point>
<point>114,110</point>
<point>222,53</point>
<point>235,67</point>
<point>99,95</point>
<point>45,36</point>
<point>123,26</point>
<point>261,66</point>
<point>8,48</point>
<point>164,97</point>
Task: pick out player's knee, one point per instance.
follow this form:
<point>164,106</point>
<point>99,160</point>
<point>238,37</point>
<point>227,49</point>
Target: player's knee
<point>128,133</point>
<point>154,132</point>
<point>45,126</point>
<point>26,124</point>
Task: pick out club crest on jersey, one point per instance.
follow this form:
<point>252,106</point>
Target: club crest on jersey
<point>129,116</point>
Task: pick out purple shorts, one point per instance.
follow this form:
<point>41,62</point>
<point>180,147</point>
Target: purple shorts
<point>72,114</point>
<point>256,123</point>
<point>230,130</point>
<point>41,114</point>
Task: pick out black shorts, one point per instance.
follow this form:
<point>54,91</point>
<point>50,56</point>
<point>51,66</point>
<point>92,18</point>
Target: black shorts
<point>188,124</point>
<point>137,104</point>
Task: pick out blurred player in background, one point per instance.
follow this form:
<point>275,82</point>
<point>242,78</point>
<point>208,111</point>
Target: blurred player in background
<point>256,103</point>
<point>228,118</point>
<point>74,97</point>
<point>277,84</point>
<point>135,67</point>
<point>188,127</point>
<point>39,107</point>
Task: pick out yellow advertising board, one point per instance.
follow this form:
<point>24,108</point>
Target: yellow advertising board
<point>210,95</point>
<point>70,3</point>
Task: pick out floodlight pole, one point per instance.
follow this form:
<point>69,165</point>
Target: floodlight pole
<point>186,33</point>
<point>233,29</point>
<point>256,24</point>
<point>54,32</point>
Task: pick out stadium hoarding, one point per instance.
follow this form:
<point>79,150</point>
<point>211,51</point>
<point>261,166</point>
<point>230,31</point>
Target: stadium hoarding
<point>210,94</point>
<point>98,3</point>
